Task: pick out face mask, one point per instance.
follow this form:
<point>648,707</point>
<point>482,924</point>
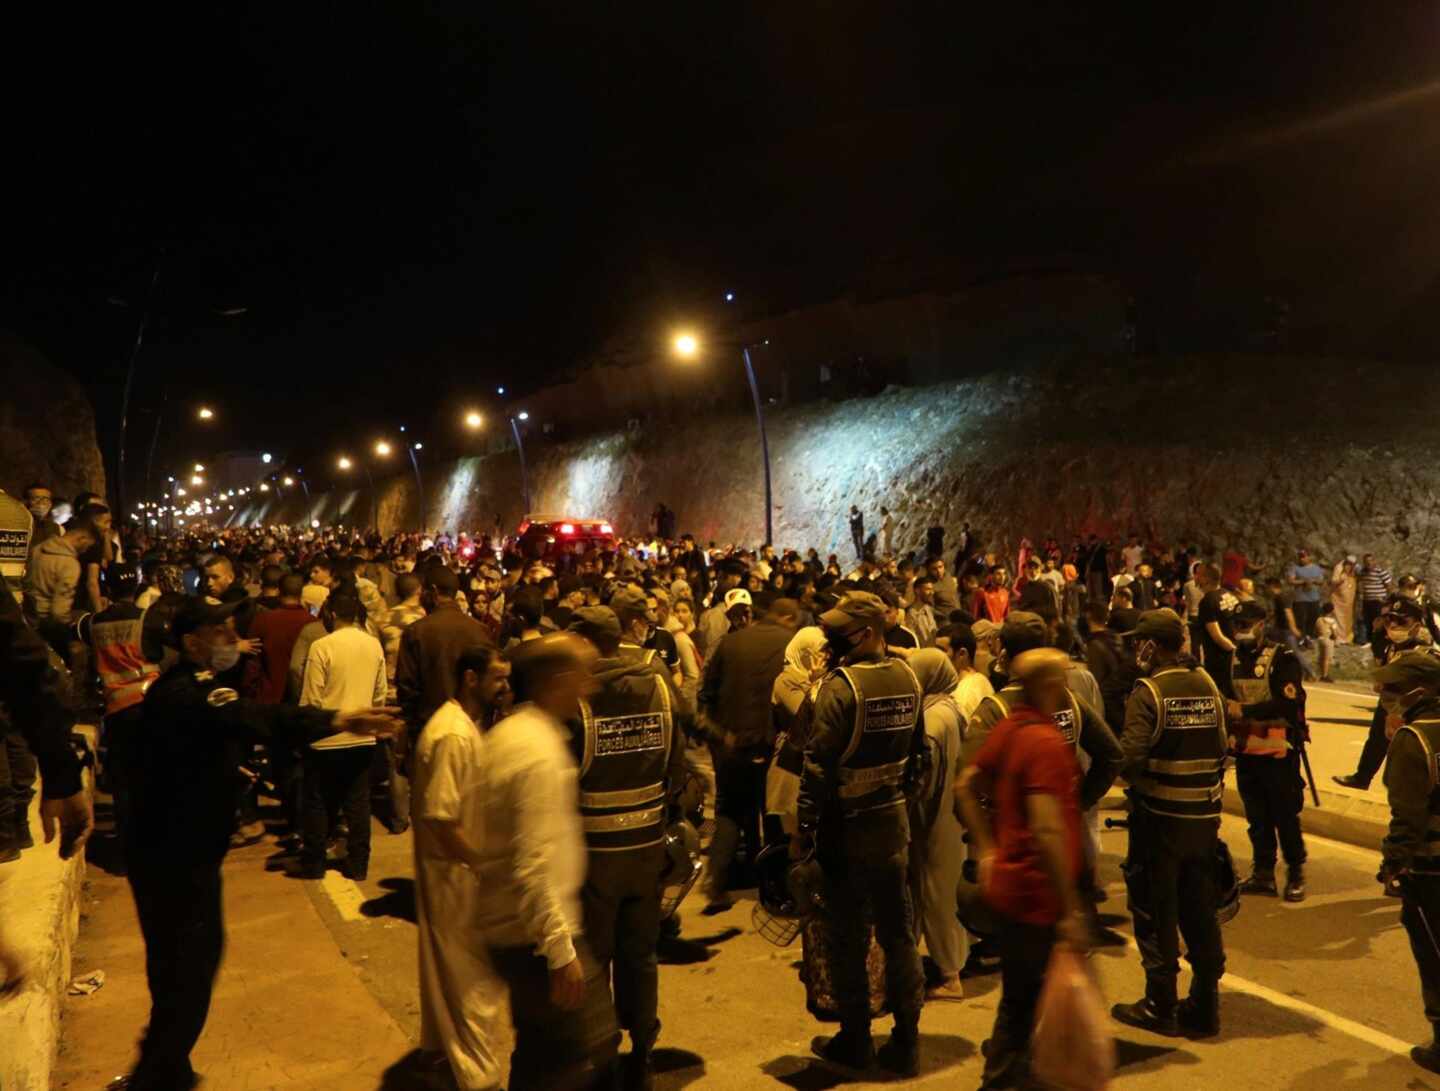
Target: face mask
<point>223,657</point>
<point>1245,638</point>
<point>840,646</point>
<point>1145,655</point>
<point>1397,635</point>
<point>39,508</point>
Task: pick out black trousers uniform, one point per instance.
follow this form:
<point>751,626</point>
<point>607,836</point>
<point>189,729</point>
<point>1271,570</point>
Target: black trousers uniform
<point>865,859</point>
<point>621,901</point>
<point>1420,914</point>
<point>1170,882</point>
<point>1274,793</point>
<point>1377,745</point>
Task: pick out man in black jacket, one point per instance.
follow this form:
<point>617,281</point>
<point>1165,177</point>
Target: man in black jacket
<point>735,703</point>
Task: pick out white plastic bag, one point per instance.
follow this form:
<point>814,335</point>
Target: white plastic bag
<point>1072,1048</point>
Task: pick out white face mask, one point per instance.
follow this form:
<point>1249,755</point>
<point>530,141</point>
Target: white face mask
<point>223,657</point>
<point>1397,634</point>
<point>1248,637</point>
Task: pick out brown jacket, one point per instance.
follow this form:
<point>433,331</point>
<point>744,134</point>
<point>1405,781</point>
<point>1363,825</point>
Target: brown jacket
<point>425,666</point>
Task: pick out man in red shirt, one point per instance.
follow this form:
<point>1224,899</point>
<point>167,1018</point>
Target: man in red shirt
<point>992,600</point>
<point>277,630</point>
<point>1030,851</point>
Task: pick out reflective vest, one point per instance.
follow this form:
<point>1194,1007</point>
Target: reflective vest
<point>628,728</point>
<point>121,664</point>
<point>872,767</point>
<point>1250,682</point>
<point>1185,768</point>
<point>1067,720</point>
<point>1428,733</point>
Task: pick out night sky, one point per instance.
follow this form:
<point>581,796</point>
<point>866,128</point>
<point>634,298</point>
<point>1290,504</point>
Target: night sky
<point>418,201</point>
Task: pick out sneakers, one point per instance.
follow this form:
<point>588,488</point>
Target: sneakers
<point>1146,1015</point>
<point>850,1051</point>
<point>900,1055</point>
<point>1260,882</point>
<point>1352,781</point>
<point>1295,884</point>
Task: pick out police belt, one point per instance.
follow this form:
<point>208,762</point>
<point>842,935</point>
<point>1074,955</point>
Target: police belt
<point>625,820</point>
<point>1149,788</point>
<point>859,782</point>
<point>626,797</point>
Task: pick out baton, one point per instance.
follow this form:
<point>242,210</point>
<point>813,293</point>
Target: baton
<point>1310,776</point>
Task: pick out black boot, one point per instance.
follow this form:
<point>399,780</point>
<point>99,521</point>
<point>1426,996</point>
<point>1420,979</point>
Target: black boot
<point>1149,1015</point>
<point>851,1050</point>
<point>1427,1057</point>
<point>637,1068</point>
<point>1261,881</point>
<point>1295,883</point>
<point>901,1054</point>
<point>1198,1015</point>
<point>23,840</point>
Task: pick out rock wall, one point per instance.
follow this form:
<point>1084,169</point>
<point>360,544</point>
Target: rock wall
<point>47,426</point>
<point>1262,452</point>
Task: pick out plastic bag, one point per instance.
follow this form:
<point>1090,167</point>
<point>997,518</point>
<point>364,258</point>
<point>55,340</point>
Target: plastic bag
<point>1072,1048</point>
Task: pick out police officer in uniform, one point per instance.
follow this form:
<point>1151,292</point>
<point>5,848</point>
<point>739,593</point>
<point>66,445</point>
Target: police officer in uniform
<point>864,748</point>
<point>1174,743</point>
<point>1267,730</point>
<point>184,813</point>
<point>631,757</point>
<point>1081,725</point>
<point>1400,629</point>
<point>1409,687</point>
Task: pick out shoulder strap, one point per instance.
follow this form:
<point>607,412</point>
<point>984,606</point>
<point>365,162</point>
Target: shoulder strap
<point>1429,752</point>
<point>1149,684</point>
<point>854,742</point>
<point>587,726</point>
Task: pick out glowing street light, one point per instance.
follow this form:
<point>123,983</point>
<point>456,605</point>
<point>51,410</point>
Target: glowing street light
<point>500,390</point>
<point>473,420</point>
<point>419,447</point>
<point>264,487</point>
<point>265,458</point>
<point>289,481</point>
<point>382,448</point>
<point>179,492</point>
<point>199,469</point>
<point>206,413</point>
<point>196,479</point>
<point>686,345</point>
<point>343,462</point>
<point>522,415</point>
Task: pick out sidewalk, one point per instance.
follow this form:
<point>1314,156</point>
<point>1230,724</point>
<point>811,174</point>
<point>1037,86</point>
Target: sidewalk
<point>289,1011</point>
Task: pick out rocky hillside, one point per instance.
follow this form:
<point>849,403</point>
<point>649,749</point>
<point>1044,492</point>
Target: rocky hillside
<point>1261,452</point>
<point>47,427</point>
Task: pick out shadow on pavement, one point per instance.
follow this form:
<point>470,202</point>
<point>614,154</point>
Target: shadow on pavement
<point>411,1073</point>
<point>937,1053</point>
<point>1246,1016</point>
<point>1339,931</point>
<point>677,1068</point>
<point>1345,1075</point>
<point>1139,1055</point>
<point>398,901</point>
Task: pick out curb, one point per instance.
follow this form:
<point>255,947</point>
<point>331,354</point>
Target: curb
<point>40,911</point>
<point>1348,817</point>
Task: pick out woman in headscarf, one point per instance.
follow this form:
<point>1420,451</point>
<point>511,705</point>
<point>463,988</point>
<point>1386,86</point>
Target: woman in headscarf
<point>1342,594</point>
<point>791,704</point>
<point>937,848</point>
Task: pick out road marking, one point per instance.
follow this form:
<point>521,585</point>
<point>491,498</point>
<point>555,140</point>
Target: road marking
<point>346,896</point>
<point>1369,1035</point>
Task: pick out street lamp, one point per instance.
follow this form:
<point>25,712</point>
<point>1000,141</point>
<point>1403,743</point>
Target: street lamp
<point>199,469</point>
<point>687,346</point>
<point>473,421</point>
<point>265,458</point>
<point>196,479</point>
<point>382,448</point>
<point>345,464</point>
<point>206,413</point>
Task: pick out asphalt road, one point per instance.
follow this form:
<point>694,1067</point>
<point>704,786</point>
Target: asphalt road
<point>1322,994</point>
<point>1339,718</point>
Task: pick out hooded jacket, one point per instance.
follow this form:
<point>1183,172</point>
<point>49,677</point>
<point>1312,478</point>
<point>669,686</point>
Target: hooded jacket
<point>52,579</point>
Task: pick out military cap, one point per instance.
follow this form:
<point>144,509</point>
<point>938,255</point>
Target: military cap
<point>856,608</point>
<point>1162,624</point>
<point>1408,609</point>
<point>1022,626</point>
<point>595,621</point>
<point>1411,670</point>
<point>1250,612</point>
<point>197,613</point>
<point>629,601</point>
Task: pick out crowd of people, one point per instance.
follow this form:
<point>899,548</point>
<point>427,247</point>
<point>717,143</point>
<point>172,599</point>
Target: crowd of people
<point>557,727</point>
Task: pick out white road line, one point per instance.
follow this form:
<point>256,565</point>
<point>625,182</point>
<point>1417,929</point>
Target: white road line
<point>346,896</point>
<point>1359,1031</point>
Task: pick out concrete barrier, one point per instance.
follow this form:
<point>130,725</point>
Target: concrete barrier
<point>40,915</point>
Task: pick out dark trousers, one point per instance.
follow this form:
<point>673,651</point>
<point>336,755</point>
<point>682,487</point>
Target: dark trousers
<point>1377,745</point>
<point>1273,793</point>
<point>1024,954</point>
<point>1369,615</point>
<point>287,773</point>
<point>1170,882</point>
<point>621,898</point>
<point>557,1050</point>
<point>865,860</point>
<point>179,906</point>
<point>1420,914</point>
<point>17,787</point>
<point>739,801</point>
<point>1305,615</point>
<point>337,781</point>
<point>122,740</point>
<point>386,768</point>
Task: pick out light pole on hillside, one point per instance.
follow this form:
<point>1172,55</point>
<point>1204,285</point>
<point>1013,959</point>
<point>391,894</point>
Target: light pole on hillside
<point>474,421</point>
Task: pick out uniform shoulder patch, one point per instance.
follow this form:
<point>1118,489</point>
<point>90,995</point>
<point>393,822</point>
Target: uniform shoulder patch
<point>221,695</point>
<point>1290,691</point>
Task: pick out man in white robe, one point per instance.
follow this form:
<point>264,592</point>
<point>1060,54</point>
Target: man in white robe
<point>461,997</point>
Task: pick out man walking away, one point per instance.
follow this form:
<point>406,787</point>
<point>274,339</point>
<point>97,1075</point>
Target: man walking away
<point>1032,855</point>
<point>531,869</point>
<point>857,532</point>
<point>459,989</point>
<point>278,630</point>
<point>735,698</point>
<point>430,648</point>
<point>345,672</point>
